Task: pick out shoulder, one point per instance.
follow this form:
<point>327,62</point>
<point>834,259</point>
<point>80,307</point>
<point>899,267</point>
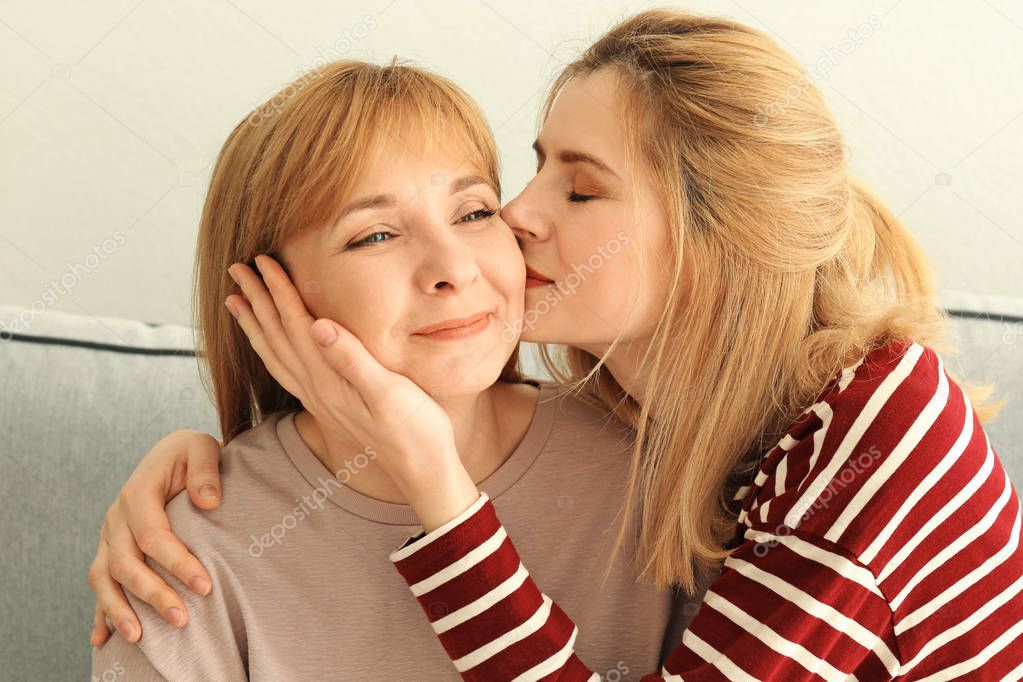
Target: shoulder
<point>578,412</point>
<point>213,643</point>
<point>866,446</point>
<point>254,475</point>
<point>887,492</point>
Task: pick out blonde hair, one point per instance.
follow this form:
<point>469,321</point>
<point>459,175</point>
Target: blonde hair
<point>289,166</point>
<point>794,269</point>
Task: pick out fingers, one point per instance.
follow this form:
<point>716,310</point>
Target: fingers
<point>100,631</point>
<point>128,568</point>
<point>110,601</point>
<point>137,522</point>
<point>268,331</point>
<point>152,535</point>
<point>203,472</point>
<point>295,317</point>
<point>278,306</point>
<point>348,357</point>
<point>260,343</point>
<point>285,296</point>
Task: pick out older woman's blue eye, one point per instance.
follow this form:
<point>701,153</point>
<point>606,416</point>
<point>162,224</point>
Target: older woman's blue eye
<point>372,239</point>
<point>479,214</point>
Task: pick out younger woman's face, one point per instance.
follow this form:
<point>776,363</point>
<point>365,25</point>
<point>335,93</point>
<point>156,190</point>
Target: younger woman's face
<point>420,268</point>
<point>585,223</point>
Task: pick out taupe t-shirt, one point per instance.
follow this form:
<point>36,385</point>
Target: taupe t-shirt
<point>303,587</point>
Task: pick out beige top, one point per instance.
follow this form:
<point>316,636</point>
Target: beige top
<point>303,587</point>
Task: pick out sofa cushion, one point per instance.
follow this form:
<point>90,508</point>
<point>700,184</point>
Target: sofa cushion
<point>85,397</point>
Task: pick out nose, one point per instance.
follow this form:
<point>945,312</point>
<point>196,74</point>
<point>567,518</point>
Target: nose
<point>524,217</point>
<point>447,264</point>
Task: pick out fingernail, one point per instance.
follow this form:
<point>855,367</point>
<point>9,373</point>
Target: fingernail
<point>208,492</point>
<point>199,584</point>
<point>127,629</point>
<point>324,333</point>
<point>231,307</point>
<point>175,616</point>
<point>231,273</point>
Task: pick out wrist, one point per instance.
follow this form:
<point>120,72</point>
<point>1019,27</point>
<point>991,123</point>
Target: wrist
<point>442,496</point>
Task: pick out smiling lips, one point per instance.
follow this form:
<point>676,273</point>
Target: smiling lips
<point>535,279</point>
<point>458,328</point>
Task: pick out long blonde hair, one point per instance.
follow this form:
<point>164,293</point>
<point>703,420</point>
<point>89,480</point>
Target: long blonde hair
<point>288,167</point>
<point>794,269</point>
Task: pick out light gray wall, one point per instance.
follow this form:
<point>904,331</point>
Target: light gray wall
<point>111,114</point>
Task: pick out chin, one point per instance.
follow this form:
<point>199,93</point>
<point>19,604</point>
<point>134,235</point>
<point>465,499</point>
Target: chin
<point>466,377</point>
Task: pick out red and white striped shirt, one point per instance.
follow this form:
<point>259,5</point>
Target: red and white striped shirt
<point>879,540</point>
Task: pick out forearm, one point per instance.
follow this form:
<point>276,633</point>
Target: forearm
<point>490,616</point>
<point>496,624</point>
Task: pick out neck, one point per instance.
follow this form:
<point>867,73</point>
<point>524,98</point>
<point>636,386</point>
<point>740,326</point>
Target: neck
<point>625,363</point>
<point>483,439</point>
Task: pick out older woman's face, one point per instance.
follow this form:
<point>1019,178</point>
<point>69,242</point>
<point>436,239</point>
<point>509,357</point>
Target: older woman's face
<point>421,268</point>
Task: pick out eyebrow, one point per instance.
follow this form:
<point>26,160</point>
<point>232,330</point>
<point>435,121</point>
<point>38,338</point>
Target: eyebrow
<point>574,156</point>
<point>466,181</point>
<point>377,201</point>
<point>457,185</point>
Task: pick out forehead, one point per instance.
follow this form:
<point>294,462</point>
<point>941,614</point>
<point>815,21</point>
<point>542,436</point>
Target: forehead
<point>588,115</point>
<point>399,162</point>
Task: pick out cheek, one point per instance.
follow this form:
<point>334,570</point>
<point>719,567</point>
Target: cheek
<point>375,319</point>
<point>591,249</point>
<point>587,230</point>
<point>612,285</point>
<point>355,302</point>
<point>640,274</point>
<point>612,276</point>
<point>653,239</point>
<point>501,261</point>
<point>308,281</point>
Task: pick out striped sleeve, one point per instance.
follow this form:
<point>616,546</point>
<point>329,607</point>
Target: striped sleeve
<point>496,624</point>
<point>787,606</point>
<point>880,540</point>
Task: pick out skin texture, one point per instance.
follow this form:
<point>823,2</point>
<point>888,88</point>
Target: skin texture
<point>431,255</point>
<point>619,232</point>
<point>426,255</point>
<point>619,225</point>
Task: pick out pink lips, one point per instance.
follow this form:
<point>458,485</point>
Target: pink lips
<point>535,279</point>
<point>457,328</point>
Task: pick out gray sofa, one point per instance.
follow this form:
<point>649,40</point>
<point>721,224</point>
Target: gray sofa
<point>85,397</point>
